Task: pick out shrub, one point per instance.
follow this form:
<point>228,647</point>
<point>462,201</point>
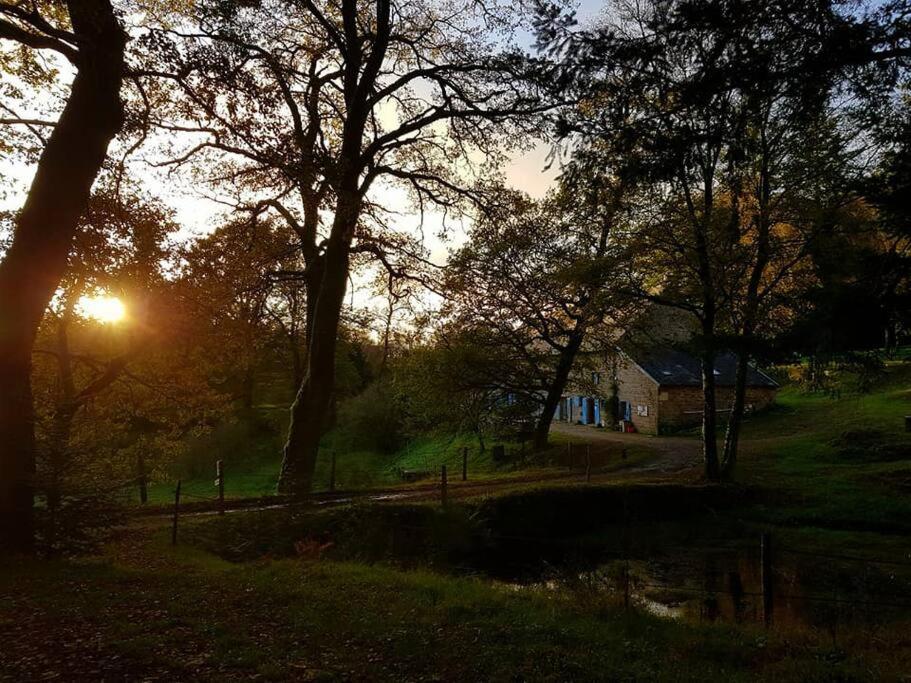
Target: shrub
<point>371,421</point>
<point>240,443</point>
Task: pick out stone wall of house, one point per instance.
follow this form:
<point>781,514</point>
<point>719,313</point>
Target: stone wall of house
<point>682,406</point>
<point>641,392</point>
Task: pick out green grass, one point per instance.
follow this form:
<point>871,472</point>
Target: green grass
<point>807,451</point>
<point>790,452</point>
<point>354,469</point>
<point>255,472</point>
<point>147,610</point>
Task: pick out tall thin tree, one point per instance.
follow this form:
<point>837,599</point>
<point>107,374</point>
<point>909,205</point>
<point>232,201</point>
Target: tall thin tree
<point>89,35</point>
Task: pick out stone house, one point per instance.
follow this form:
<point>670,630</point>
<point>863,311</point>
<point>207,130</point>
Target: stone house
<point>658,390</point>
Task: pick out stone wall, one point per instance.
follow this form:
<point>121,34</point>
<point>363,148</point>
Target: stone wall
<point>682,406</point>
<point>641,392</point>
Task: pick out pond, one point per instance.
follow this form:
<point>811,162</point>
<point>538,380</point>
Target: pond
<point>723,582</point>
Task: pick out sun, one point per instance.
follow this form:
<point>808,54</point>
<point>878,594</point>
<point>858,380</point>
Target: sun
<point>104,309</point>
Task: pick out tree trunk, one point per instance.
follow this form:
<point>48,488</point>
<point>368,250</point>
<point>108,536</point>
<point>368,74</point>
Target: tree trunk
<point>732,435</point>
<point>311,407</point>
<point>555,390</point>
<point>37,257</point>
<point>297,362</point>
<point>891,338</point>
<point>709,402</point>
<point>709,417</point>
<point>750,314</point>
<point>329,272</point>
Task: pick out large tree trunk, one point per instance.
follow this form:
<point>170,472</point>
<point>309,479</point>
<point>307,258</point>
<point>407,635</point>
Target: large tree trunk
<point>555,390</point>
<point>329,272</point>
<point>37,257</point>
<point>297,362</point>
<point>311,408</point>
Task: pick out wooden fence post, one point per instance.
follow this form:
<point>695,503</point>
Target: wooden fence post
<point>220,483</point>
<point>588,462</point>
<point>464,463</point>
<point>443,492</point>
<point>767,580</point>
<point>626,595</point>
<point>176,514</point>
<point>143,481</point>
<point>625,541</point>
<point>332,472</point>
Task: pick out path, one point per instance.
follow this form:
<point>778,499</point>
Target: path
<point>672,453</point>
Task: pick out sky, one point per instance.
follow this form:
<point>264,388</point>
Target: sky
<point>527,171</point>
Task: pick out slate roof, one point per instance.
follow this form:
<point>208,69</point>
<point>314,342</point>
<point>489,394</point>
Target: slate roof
<point>675,368</point>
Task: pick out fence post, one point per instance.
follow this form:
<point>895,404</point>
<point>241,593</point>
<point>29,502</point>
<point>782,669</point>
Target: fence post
<point>332,471</point>
<point>626,596</point>
<point>836,602</point>
<point>588,462</point>
<point>443,492</point>
<point>766,574</point>
<point>464,463</point>
<point>625,545</point>
<point>143,481</point>
<point>623,455</point>
<point>176,514</point>
<point>220,483</point>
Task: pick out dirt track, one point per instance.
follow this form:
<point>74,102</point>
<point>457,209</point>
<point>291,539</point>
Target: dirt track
<point>664,455</point>
<point>671,453</point>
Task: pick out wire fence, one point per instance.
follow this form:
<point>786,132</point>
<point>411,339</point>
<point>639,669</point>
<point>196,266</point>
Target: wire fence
<point>340,471</point>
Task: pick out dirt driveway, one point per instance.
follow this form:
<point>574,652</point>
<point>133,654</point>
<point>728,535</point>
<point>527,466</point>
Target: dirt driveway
<point>671,453</point>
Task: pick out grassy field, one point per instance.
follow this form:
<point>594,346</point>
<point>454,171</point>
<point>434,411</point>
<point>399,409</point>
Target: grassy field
<point>254,472</point>
<point>842,463</point>
<point>148,611</point>
<point>409,592</point>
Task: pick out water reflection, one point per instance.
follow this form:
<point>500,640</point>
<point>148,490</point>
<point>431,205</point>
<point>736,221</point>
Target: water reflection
<point>726,585</point>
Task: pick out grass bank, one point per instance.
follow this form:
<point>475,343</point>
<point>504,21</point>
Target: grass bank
<point>840,463</point>
<point>145,610</point>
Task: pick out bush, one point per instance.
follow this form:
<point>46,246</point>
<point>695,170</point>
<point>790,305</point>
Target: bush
<point>371,421</point>
<point>854,372</point>
<point>241,443</point>
<point>865,371</point>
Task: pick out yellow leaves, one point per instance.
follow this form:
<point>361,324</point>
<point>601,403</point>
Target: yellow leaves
<point>159,7</point>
